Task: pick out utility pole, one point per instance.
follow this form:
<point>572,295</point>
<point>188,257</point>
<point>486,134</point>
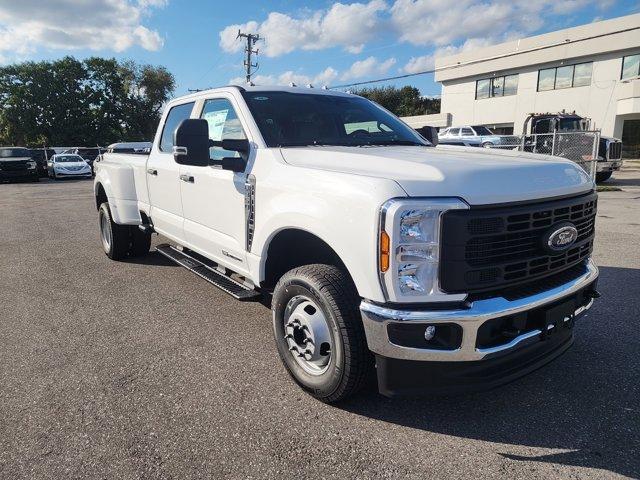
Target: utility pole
<point>251,41</point>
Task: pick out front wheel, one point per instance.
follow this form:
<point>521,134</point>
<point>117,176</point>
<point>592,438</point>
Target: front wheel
<point>603,176</point>
<point>487,145</point>
<point>319,333</point>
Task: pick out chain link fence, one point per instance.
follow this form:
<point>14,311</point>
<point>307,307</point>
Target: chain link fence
<point>581,147</point>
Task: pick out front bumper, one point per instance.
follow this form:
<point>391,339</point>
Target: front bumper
<point>609,166</point>
<point>377,320</point>
<point>9,175</point>
<point>70,173</point>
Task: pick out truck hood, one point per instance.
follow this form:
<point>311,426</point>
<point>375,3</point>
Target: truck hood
<point>479,176</point>
<point>15,159</point>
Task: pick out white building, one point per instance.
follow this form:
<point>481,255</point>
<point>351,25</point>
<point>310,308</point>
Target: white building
<point>592,69</point>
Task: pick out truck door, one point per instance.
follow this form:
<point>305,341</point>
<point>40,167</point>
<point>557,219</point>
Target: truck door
<point>214,199</point>
<point>163,178</point>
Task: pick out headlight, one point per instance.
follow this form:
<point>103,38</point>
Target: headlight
<point>31,165</point>
<point>409,249</point>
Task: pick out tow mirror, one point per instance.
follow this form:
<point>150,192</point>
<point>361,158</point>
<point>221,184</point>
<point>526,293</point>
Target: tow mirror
<point>430,133</point>
<point>191,142</point>
<point>234,164</point>
<point>240,146</point>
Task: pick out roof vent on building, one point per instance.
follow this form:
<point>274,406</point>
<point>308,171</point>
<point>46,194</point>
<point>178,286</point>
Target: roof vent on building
<point>291,84</point>
<point>309,85</point>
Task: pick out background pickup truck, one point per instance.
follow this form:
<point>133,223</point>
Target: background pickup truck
<point>446,270</point>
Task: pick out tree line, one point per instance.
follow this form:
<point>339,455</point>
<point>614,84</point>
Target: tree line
<point>404,102</point>
<point>88,102</point>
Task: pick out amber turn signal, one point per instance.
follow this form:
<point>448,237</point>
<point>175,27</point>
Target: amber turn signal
<point>384,251</point>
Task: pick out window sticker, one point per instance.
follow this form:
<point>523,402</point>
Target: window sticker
<point>216,121</point>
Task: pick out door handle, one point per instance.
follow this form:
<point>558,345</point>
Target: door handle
<point>152,171</point>
<point>187,178</point>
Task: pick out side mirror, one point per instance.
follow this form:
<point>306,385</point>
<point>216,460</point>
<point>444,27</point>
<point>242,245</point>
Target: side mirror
<point>191,140</point>
<point>240,146</point>
<point>234,164</point>
<point>430,133</point>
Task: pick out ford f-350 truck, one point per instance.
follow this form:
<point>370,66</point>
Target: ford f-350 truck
<point>440,270</point>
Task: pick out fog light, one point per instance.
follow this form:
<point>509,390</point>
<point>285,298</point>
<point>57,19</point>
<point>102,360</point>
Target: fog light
<point>429,332</point>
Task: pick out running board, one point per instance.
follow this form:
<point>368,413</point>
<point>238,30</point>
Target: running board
<point>225,283</point>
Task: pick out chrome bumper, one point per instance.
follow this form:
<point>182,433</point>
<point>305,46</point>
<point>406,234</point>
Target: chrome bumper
<point>608,166</point>
<point>376,319</point>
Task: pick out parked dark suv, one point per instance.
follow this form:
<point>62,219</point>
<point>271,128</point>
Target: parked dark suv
<point>16,163</point>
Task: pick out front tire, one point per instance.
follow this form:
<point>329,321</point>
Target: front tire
<point>319,333</point>
<point>603,176</point>
<point>487,145</point>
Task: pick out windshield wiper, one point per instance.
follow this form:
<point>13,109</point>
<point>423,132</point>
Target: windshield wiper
<point>385,143</point>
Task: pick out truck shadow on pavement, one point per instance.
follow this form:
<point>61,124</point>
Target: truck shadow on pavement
<point>585,404</point>
<point>622,182</point>
<point>152,258</point>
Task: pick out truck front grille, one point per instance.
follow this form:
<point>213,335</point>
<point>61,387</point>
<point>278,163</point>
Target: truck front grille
<point>493,248</point>
<point>615,150</point>
<point>13,165</point>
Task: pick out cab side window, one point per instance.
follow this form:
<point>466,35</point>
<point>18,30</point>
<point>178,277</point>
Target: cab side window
<point>176,115</point>
<point>224,124</point>
<point>454,131</point>
<point>467,132</point>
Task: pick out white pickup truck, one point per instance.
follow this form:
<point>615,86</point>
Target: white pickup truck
<point>444,269</point>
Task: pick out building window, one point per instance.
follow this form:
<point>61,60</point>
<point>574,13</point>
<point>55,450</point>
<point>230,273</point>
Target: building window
<point>497,86</point>
<point>567,76</point>
<point>630,67</point>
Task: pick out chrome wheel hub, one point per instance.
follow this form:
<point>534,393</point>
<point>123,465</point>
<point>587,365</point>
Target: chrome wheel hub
<point>105,232</point>
<point>307,335</point>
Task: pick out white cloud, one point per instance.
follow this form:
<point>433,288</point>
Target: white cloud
<point>345,25</point>
<point>368,67</point>
<point>325,77</point>
<point>427,62</point>
<point>116,25</point>
<point>441,22</point>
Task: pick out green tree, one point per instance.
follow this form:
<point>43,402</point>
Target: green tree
<point>70,102</point>
<point>404,102</point>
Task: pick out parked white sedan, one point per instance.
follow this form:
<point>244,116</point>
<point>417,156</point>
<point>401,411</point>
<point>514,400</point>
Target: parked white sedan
<point>65,165</point>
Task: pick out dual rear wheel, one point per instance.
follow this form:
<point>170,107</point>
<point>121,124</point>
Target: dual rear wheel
<point>121,241</point>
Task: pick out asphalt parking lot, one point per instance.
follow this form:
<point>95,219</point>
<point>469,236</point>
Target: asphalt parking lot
<point>142,370</point>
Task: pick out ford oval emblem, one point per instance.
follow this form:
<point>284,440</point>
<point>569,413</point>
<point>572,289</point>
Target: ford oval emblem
<point>560,237</point>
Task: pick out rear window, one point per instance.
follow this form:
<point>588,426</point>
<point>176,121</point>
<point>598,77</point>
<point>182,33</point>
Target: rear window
<point>14,152</point>
<point>480,130</point>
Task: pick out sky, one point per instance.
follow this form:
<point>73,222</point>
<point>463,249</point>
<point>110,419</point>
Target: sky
<point>322,42</point>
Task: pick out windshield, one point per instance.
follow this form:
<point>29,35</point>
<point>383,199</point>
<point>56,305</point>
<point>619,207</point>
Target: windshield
<point>69,159</point>
<point>294,119</point>
<point>14,152</point>
<point>480,130</point>
<point>570,125</point>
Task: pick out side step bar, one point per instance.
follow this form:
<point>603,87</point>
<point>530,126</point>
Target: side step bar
<point>225,283</point>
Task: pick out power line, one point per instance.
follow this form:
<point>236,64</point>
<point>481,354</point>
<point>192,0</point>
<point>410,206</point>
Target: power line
<point>251,41</point>
<point>481,60</point>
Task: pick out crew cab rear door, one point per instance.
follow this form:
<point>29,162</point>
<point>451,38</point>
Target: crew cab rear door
<point>213,199</point>
<point>163,177</point>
